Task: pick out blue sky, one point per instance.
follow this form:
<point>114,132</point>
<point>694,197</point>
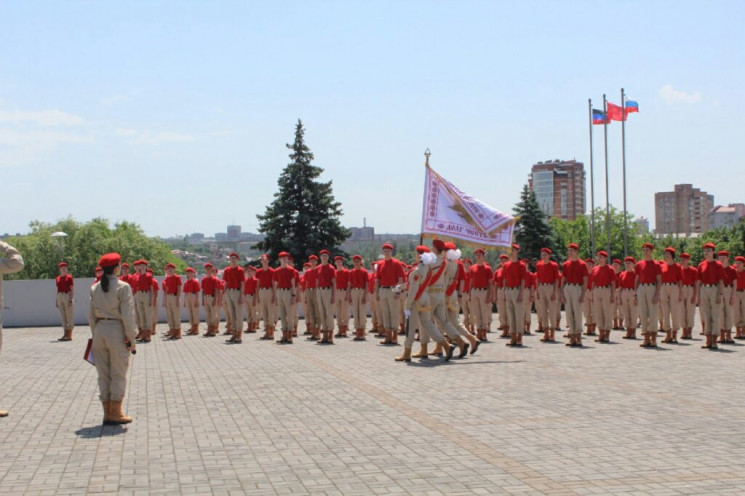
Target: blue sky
<point>183,108</point>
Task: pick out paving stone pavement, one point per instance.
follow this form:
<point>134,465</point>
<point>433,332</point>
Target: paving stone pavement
<point>257,418</point>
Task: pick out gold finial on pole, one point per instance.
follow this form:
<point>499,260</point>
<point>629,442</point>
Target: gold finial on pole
<point>427,153</point>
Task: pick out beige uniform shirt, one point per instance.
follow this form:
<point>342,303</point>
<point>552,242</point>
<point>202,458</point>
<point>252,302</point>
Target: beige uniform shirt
<point>10,262</point>
<point>117,304</point>
<point>416,278</point>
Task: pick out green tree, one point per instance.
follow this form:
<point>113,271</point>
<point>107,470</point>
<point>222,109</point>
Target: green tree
<point>531,230</point>
<point>84,245</point>
<point>731,239</point>
<point>304,217</point>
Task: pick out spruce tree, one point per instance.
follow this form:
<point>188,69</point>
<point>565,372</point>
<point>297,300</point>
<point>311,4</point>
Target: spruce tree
<point>303,218</point>
<point>532,232</point>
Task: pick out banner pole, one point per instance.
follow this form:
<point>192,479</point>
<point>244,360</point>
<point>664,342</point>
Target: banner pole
<point>427,153</point>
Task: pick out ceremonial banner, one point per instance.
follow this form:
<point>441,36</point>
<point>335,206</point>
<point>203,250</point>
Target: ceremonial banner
<point>449,212</point>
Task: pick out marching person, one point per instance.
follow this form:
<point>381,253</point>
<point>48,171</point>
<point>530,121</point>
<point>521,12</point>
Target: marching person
<point>603,281</point>
<point>468,319</point>
<point>627,297</point>
<point>453,296</point>
<point>211,300</point>
<point>547,294</point>
<point>285,291</point>
<point>191,291</point>
<point>172,301</point>
<point>390,273</point>
<point>671,295</point>
<point>728,298</point>
<point>250,286</point>
<point>648,281</point>
<point>265,298</point>
<point>326,296</point>
<point>233,276</point>
<point>64,301</point>
<point>574,285</point>
<point>689,278</point>
<point>358,280</point>
<point>480,275</point>
<point>310,279</point>
<point>738,313</point>
<point>111,318</point>
<point>515,276</point>
<point>342,297</point>
<point>709,289</point>
<point>145,300</point>
<point>10,262</point>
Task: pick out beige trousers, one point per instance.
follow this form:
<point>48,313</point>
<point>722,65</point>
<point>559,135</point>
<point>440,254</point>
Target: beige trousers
<point>547,309</point>
<point>515,310</point>
<point>66,310</point>
<point>421,318</point>
<point>311,307</point>
<point>727,309</point>
<point>527,305</point>
<point>112,359</point>
<point>341,307</point>
<point>502,308</point>
<point>192,307</point>
<point>284,307</point>
<point>602,309</point>
<point>480,307</point>
<point>212,310</point>
<point>738,311</point>
<point>587,308</point>
<point>468,318</point>
<point>358,308</point>
<point>173,312</point>
<point>628,308</point>
<point>711,311</point>
<point>250,311</point>
<point>144,311</point>
<point>266,308</point>
<point>647,309</point>
<point>453,314</point>
<point>687,309</point>
<point>325,309</point>
<point>670,305</point>
<point>573,308</point>
<point>234,308</point>
<point>389,309</point>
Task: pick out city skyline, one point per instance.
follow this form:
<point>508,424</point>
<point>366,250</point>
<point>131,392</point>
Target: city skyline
<point>197,111</point>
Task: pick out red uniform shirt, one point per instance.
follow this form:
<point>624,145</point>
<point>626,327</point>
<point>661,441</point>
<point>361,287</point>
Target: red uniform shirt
<point>627,279</point>
<point>671,273</point>
<point>191,286</point>
<point>531,280</point>
<point>467,280</point>
<point>358,278</point>
<point>156,287</point>
<point>689,276</point>
<point>740,280</point>
<point>233,277</point>
<point>64,283</point>
<point>547,272</point>
<point>710,272</point>
<point>296,276</point>
<point>342,279</point>
<point>250,285</point>
<point>389,272</point>
<point>133,282</point>
<point>730,275</point>
<point>171,284</point>
<point>574,271</point>
<point>311,279</point>
<point>265,278</point>
<point>514,274</point>
<point>647,270</point>
<point>371,276</point>
<point>284,277</point>
<point>603,276</point>
<point>144,282</point>
<point>210,285</point>
<point>480,275</point>
<point>325,274</point>
<point>498,277</point>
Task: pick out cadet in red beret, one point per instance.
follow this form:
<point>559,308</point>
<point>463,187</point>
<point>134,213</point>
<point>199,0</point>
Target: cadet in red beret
<point>310,298</point>
<point>326,297</point>
<point>145,300</point>
<point>574,285</point>
<point>498,296</point>
<point>64,301</point>
<point>728,298</point>
<point>615,306</point>
<point>172,301</point>
<point>514,275</point>
<point>390,273</point>
<point>688,296</point>
<point>587,310</point>
<point>286,292</point>
<point>648,283</point>
<point>343,297</point>
<point>547,294</point>
<point>191,291</point>
<point>603,279</point>
<point>358,282</point>
<point>627,297</point>
<point>738,312</point>
<point>211,300</point>
<point>234,277</point>
<point>710,290</point>
<point>670,295</point>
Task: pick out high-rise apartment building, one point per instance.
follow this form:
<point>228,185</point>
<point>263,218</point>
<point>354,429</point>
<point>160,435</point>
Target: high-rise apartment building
<point>559,187</point>
<point>684,211</point>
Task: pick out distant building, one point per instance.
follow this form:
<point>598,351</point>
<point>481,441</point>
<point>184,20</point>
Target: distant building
<point>684,211</point>
<point>643,224</point>
<point>195,239</point>
<point>559,187</point>
<point>234,233</point>
<point>363,233</point>
<point>728,216</point>
<point>221,237</point>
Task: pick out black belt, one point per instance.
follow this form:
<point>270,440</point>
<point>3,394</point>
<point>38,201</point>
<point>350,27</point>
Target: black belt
<point>669,283</point>
<point>284,289</point>
<point>512,287</point>
<point>386,287</point>
<point>115,320</point>
<point>63,292</point>
<point>573,284</point>
<point>710,285</point>
<point>647,284</point>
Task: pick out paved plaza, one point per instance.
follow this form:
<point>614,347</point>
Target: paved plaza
<point>258,418</point>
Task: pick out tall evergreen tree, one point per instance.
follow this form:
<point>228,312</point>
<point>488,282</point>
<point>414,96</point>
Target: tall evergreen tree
<point>532,232</point>
<point>303,218</point>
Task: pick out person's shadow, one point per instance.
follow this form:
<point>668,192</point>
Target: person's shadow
<point>97,431</point>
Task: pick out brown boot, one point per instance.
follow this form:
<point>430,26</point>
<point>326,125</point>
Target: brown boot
<point>422,353</point>
<point>388,337</point>
<point>116,416</point>
<point>176,334</point>
<point>106,412</point>
<point>406,357</point>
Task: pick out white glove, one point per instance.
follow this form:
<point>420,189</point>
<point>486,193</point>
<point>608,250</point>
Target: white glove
<point>407,313</point>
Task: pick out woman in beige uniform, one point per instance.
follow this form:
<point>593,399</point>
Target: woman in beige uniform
<point>111,317</point>
<point>10,262</point>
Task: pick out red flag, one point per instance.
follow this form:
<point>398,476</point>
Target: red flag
<point>616,113</point>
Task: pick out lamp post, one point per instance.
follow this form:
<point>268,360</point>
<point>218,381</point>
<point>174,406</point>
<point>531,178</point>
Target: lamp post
<point>59,240</point>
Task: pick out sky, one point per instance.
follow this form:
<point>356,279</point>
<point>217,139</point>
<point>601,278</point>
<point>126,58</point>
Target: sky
<point>175,114</point>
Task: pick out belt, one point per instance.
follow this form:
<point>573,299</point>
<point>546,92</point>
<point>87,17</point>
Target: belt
<point>63,292</point>
<point>386,287</point>
<point>284,289</point>
<point>435,290</point>
<point>234,289</point>
<point>710,285</point>
<point>171,294</point>
<point>647,284</point>
<point>545,284</point>
<point>602,287</point>
<point>740,290</point>
<point>324,287</point>
<point>669,283</point>
<point>687,285</point>
<point>512,287</point>
<point>115,320</point>
<point>573,284</point>
<point>627,289</point>
<point>479,289</point>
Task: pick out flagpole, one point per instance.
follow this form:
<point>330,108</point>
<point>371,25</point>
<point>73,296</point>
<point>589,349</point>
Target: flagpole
<point>607,198</point>
<point>592,185</point>
<point>427,153</point>
<point>623,165</point>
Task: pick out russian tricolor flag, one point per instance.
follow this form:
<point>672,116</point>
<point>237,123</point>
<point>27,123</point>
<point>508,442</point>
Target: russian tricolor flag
<point>631,106</point>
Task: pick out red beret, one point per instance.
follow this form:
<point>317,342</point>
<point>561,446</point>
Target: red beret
<point>422,249</point>
<point>209,266</point>
<point>283,254</point>
<point>617,261</point>
<point>648,245</point>
<point>479,251</point>
<point>515,246</point>
<point>450,246</point>
<point>709,245</point>
<point>629,259</point>
<point>125,264</point>
<point>387,246</point>
<point>603,253</point>
<point>98,269</point>
<point>670,249</point>
<point>525,261</point>
<point>143,262</point>
<point>339,257</point>
<point>190,269</point>
<point>109,260</point>
<point>356,257</point>
<point>590,260</point>
<point>234,254</point>
<point>503,256</point>
<point>251,268</point>
<point>312,257</point>
<point>467,260</point>
<point>573,246</point>
<point>150,271</point>
<point>324,252</point>
<point>306,264</point>
<point>546,250</point>
<point>170,266</point>
<point>740,258</point>
<point>723,253</point>
<point>439,244</point>
<point>685,255</point>
<point>62,264</point>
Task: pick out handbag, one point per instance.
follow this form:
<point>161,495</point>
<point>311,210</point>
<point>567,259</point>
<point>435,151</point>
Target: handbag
<point>88,356</point>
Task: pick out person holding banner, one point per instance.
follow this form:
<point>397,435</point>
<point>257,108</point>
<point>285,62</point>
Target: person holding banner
<point>111,317</point>
<point>10,262</point>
